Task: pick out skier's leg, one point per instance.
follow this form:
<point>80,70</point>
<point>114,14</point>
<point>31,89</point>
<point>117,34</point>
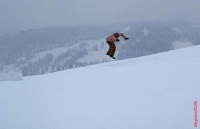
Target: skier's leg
<point>110,48</point>
<point>113,50</point>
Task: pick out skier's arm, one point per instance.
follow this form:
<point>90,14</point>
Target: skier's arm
<point>121,34</point>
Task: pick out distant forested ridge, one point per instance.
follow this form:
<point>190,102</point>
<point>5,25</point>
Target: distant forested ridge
<point>27,43</point>
<point>145,38</point>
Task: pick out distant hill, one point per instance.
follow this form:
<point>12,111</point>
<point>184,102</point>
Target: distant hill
<point>27,43</point>
<point>54,49</point>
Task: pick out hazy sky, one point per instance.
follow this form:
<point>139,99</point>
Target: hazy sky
<point>29,14</point>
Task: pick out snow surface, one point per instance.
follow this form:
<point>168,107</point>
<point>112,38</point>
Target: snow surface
<point>11,76</point>
<point>151,92</point>
<point>95,56</point>
<point>98,56</point>
<point>181,44</point>
<point>8,68</point>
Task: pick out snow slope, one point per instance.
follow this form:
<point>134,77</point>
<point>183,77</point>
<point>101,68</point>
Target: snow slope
<point>58,51</point>
<point>152,92</point>
<point>181,44</point>
<point>95,56</point>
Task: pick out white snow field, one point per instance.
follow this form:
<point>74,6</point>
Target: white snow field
<point>152,92</point>
<point>181,44</point>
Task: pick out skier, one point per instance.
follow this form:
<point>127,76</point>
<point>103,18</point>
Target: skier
<point>110,41</point>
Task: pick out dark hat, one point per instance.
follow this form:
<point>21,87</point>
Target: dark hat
<point>116,35</point>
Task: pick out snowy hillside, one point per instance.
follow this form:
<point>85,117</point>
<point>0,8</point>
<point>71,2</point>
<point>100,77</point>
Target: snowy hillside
<point>183,44</point>
<point>152,92</point>
<point>53,49</point>
<point>76,47</point>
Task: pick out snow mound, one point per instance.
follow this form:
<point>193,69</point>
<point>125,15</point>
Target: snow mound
<point>152,92</point>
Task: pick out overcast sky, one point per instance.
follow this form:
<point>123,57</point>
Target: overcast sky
<point>30,14</point>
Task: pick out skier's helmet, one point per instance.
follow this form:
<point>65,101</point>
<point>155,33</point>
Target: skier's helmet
<point>116,35</point>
